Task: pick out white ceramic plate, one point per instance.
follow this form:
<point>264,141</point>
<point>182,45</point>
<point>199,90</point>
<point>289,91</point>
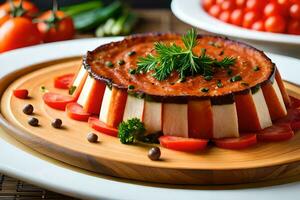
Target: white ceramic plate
<point>191,12</point>
<point>19,161</point>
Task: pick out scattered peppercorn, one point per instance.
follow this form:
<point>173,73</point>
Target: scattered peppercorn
<point>33,121</point>
<point>154,153</point>
<point>57,123</point>
<point>256,68</point>
<point>109,64</point>
<point>121,62</point>
<point>204,90</point>
<point>92,137</point>
<point>219,84</point>
<point>132,71</point>
<point>130,87</point>
<point>208,78</point>
<point>28,109</point>
<point>131,53</point>
<point>236,78</point>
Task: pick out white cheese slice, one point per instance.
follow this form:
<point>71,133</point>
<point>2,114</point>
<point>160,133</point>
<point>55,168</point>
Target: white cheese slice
<point>175,119</point>
<point>105,105</point>
<point>85,92</point>
<point>225,121</point>
<point>80,76</point>
<point>134,108</point>
<point>153,116</point>
<point>262,109</point>
<point>279,95</point>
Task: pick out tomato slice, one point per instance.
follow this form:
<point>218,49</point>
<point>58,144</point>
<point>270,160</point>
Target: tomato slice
<point>76,112</point>
<point>277,132</point>
<point>100,126</point>
<point>182,144</point>
<point>21,93</point>
<point>241,142</point>
<point>64,81</point>
<point>57,101</point>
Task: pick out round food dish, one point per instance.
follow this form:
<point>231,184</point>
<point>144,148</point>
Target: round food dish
<point>246,98</point>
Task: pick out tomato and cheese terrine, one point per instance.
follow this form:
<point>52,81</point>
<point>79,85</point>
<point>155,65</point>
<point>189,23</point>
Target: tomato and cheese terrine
<point>207,88</point>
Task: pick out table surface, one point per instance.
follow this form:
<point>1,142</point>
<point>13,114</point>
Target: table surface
<point>158,20</point>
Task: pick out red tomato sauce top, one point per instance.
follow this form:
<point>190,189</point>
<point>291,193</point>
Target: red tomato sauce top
<point>247,58</point>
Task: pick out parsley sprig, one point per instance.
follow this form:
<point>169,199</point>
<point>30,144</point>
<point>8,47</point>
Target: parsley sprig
<point>171,57</point>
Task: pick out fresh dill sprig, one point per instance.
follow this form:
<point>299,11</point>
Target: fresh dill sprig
<point>171,57</point>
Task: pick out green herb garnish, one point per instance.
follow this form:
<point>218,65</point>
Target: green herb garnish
<point>131,130</point>
<point>219,84</point>
<point>204,89</point>
<point>72,89</point>
<point>256,68</point>
<point>171,57</point>
<point>132,71</point>
<point>208,78</point>
<point>130,87</point>
<point>109,64</point>
<point>236,78</point>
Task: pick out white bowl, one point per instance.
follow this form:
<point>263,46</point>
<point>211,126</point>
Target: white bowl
<point>191,12</point>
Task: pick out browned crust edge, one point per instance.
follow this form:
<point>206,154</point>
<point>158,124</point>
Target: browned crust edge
<point>216,100</point>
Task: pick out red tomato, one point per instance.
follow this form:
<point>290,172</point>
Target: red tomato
<point>225,16</point>
<point>182,144</point>
<point>295,11</point>
<point>4,16</point>
<point>57,101</point>
<point>240,3</point>
<point>30,9</point>
<point>64,81</point>
<point>294,27</point>
<point>258,25</point>
<point>76,112</point>
<point>241,142</point>
<point>62,28</point>
<point>284,6</point>
<point>277,132</point>
<point>18,32</point>
<point>215,11</point>
<point>295,103</point>
<point>21,93</point>
<point>249,18</point>
<point>272,9</point>
<point>295,125</point>
<point>207,4</point>
<point>236,17</point>
<point>228,5</point>
<point>100,126</point>
<point>255,5</point>
<point>275,24</point>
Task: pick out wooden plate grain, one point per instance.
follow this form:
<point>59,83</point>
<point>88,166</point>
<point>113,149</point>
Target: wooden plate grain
<point>265,161</point>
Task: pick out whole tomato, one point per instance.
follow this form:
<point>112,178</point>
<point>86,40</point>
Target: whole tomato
<point>18,32</point>
<point>275,24</point>
<point>27,9</point>
<point>294,27</point>
<point>55,26</point>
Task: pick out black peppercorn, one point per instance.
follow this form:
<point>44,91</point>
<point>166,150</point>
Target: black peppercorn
<point>33,121</point>
<point>28,109</point>
<point>57,123</point>
<point>92,137</point>
<point>154,153</point>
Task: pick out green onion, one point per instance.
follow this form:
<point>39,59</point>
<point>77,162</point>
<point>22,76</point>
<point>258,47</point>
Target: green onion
<point>130,87</point>
<point>236,78</point>
<point>131,53</point>
<point>204,90</point>
<point>208,78</point>
<point>256,68</point>
<point>121,62</point>
<point>109,64</point>
<point>219,84</point>
<point>132,71</point>
<point>72,89</point>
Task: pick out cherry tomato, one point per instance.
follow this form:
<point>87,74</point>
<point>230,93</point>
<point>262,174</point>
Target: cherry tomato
<point>225,16</point>
<point>284,6</point>
<point>275,24</point>
<point>76,112</point>
<point>236,17</point>
<point>100,126</point>
<point>241,142</point>
<point>272,9</point>
<point>215,11</point>
<point>258,26</point>
<point>295,11</point>
<point>240,3</point>
<point>57,101</point>
<point>64,81</point>
<point>294,27</point>
<point>21,93</point>
<point>182,144</point>
<point>18,32</point>
<point>255,5</point>
<point>277,132</point>
<point>249,18</point>
<point>207,4</point>
<point>30,10</point>
<point>4,16</point>
<point>228,5</point>
<point>56,27</point>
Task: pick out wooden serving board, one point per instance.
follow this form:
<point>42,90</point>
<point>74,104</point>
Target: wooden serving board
<point>265,161</point>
